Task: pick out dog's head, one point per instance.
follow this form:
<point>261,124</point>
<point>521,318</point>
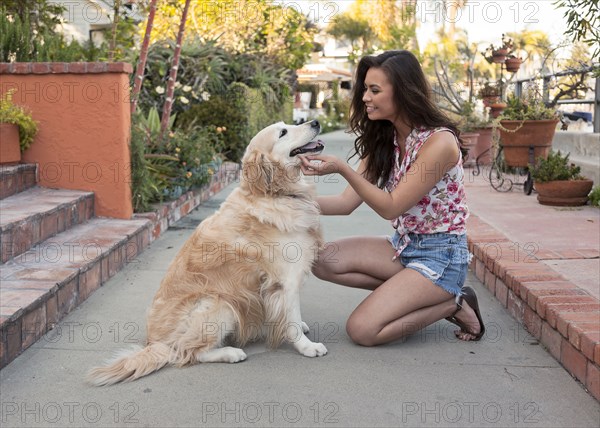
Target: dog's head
<point>270,165</point>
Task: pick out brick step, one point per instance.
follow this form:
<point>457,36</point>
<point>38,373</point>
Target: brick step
<point>16,178</point>
<point>39,287</point>
<point>36,214</point>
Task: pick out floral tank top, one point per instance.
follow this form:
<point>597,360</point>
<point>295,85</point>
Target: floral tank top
<point>443,209</point>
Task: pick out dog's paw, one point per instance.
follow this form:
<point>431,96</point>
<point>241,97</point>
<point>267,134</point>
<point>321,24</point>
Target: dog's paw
<point>313,349</point>
<point>305,328</point>
<point>227,354</point>
<point>235,355</point>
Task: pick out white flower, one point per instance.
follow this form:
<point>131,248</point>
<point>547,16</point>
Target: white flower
<point>341,114</point>
<point>184,100</point>
<point>12,57</point>
<point>177,84</point>
<point>205,96</point>
<point>187,88</point>
<point>10,18</point>
<point>160,90</point>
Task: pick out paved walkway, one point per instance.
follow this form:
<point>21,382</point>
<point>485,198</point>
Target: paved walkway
<point>566,238</point>
<point>430,379</point>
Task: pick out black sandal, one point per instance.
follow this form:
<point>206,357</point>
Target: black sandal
<point>469,296</point>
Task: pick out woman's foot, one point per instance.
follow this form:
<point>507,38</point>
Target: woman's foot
<point>467,317</point>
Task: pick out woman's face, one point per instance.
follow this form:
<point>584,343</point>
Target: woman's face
<point>378,96</point>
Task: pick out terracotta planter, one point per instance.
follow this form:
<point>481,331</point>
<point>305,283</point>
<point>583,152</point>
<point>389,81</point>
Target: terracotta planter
<point>496,109</point>
<point>488,100</point>
<point>499,55</point>
<point>469,142</point>
<point>10,149</point>
<point>568,193</point>
<point>483,148</point>
<point>515,145</point>
<point>513,64</point>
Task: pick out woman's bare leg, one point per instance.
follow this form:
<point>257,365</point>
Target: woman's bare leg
<point>366,262</point>
<point>358,262</point>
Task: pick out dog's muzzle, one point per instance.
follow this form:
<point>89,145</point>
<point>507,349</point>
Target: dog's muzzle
<point>311,147</point>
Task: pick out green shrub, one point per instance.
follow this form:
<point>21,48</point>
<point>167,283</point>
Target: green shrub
<point>242,111</point>
<point>19,43</point>
<point>595,196</point>
<point>555,167</point>
<point>17,115</point>
<point>528,107</point>
<point>165,168</point>
<point>219,112</point>
<point>202,71</point>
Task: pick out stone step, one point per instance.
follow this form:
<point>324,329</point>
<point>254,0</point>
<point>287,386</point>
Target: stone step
<point>16,178</point>
<point>39,287</point>
<point>34,215</point>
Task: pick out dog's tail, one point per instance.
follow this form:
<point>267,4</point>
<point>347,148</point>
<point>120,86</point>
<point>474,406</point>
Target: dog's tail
<point>131,365</point>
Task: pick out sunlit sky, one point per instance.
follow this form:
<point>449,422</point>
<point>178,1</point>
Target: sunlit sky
<point>484,20</point>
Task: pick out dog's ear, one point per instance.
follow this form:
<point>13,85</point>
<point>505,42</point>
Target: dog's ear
<point>263,175</point>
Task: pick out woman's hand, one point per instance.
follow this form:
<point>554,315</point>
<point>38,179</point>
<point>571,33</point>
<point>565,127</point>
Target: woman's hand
<point>321,164</point>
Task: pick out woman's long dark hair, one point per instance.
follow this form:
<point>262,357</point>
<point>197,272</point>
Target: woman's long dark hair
<point>412,99</point>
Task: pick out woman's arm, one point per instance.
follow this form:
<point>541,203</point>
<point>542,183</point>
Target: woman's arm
<point>344,203</point>
<point>438,155</point>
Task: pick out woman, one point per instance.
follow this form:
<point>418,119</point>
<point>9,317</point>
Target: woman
<point>410,173</point>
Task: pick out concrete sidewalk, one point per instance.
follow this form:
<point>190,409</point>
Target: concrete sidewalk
<point>430,379</point>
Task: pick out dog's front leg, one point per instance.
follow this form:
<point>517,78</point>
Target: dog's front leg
<point>296,328</point>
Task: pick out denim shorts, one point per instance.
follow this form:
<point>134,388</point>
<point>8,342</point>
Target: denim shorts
<point>442,258</point>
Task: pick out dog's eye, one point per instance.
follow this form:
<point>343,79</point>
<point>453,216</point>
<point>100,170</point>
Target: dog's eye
<point>282,133</point>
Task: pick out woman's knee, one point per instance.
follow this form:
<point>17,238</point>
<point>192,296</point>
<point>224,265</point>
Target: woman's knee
<point>322,270</point>
<point>360,332</point>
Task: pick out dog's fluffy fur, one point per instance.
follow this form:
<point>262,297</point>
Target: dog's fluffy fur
<point>237,278</point>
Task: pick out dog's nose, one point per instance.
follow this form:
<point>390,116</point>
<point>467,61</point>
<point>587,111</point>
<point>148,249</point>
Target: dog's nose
<point>315,124</point>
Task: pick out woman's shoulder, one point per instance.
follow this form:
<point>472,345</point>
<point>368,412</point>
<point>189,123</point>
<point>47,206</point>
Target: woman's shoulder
<point>421,134</point>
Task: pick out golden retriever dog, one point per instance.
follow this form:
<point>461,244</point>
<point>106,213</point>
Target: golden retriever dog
<point>237,278</point>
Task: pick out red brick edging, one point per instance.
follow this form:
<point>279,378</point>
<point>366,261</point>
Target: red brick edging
<point>170,212</point>
<point>64,67</point>
<point>560,315</point>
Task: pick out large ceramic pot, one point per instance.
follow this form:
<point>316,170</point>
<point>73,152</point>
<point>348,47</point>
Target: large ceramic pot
<point>483,148</point>
<point>567,193</point>
<point>517,136</point>
<point>10,149</point>
<point>469,143</point>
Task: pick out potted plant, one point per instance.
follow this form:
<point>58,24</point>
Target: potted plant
<point>489,93</point>
<point>512,63</point>
<point>17,129</point>
<point>558,182</point>
<point>476,134</point>
<point>526,128</point>
<point>498,54</point>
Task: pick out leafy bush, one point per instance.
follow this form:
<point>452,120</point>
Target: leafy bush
<point>594,196</point>
<point>165,168</point>
<point>555,167</point>
<point>219,112</point>
<point>18,42</point>
<point>17,115</point>
<point>528,107</point>
<point>242,111</point>
<point>202,71</point>
<point>207,71</point>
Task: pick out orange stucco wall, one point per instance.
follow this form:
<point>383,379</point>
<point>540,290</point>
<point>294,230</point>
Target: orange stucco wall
<point>84,128</point>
